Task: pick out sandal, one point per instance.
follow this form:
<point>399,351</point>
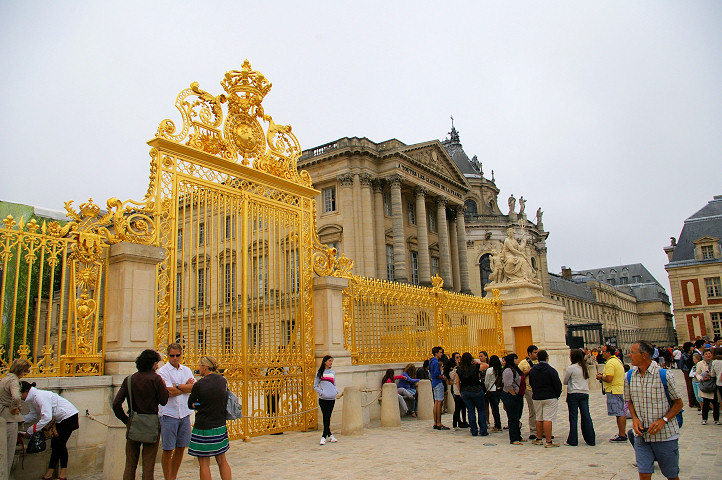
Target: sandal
<point>443,427</point>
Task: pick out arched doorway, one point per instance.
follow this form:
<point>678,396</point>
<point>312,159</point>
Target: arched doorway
<point>484,271</point>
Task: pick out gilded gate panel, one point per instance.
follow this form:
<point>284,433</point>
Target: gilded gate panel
<point>238,229</point>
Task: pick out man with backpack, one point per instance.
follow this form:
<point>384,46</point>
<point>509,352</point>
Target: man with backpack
<point>525,365</point>
<point>654,402</point>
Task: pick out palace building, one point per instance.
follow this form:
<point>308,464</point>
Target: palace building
<point>408,212</point>
<point>695,269</point>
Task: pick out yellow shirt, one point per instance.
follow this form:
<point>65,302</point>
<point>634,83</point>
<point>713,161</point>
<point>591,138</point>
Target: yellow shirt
<point>614,367</point>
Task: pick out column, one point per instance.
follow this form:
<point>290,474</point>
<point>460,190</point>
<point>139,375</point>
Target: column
<point>397,222</point>
<point>454,247</point>
<point>444,254</point>
<point>349,233</point>
<point>380,229</point>
<point>422,238</point>
<point>359,260</point>
<point>367,226</point>
<point>463,259</point>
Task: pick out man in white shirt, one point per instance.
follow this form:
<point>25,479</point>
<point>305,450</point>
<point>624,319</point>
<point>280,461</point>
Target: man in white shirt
<point>175,416</point>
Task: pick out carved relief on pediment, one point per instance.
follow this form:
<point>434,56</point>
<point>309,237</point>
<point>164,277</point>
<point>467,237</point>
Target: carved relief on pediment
<point>430,158</point>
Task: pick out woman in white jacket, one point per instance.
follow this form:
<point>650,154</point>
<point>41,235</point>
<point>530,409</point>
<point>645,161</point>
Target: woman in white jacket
<point>46,406</point>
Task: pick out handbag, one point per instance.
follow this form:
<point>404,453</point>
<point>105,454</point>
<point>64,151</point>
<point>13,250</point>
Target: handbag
<point>142,427</point>
<point>708,386</point>
<point>233,406</point>
<point>50,430</point>
<point>36,444</point>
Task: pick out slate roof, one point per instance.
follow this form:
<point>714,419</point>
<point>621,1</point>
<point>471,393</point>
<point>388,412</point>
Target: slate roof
<point>559,284</point>
<point>456,152</point>
<point>705,222</point>
<point>617,273</point>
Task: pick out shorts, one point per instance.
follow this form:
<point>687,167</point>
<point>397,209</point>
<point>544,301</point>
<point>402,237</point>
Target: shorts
<point>545,410</point>
<point>175,432</point>
<point>665,453</point>
<point>615,405</point>
<point>438,392</point>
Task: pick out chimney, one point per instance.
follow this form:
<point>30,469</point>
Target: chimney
<point>566,273</point>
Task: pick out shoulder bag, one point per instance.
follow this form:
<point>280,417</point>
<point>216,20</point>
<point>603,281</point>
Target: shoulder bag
<point>36,444</point>
<point>233,406</point>
<point>142,427</point>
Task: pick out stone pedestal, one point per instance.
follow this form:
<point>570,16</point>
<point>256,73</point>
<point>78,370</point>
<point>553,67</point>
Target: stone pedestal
<point>130,305</point>
<point>425,407</point>
<point>546,319</point>
<point>390,415</point>
<point>352,422</point>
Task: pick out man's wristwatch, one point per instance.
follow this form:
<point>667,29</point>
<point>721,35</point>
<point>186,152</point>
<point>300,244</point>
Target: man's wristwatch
<point>666,420</point>
<point>175,385</point>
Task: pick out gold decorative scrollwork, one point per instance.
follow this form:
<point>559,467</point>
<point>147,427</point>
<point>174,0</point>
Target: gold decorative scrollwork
<point>240,134</point>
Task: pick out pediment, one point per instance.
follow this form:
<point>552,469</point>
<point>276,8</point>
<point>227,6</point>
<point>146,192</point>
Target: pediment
<point>706,239</point>
<point>433,156</point>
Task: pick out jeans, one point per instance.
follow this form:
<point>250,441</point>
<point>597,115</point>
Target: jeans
<point>580,401</point>
<point>410,394</point>
<point>474,402</point>
<point>493,398</point>
<point>459,412</point>
<point>326,411</point>
<point>514,406</point>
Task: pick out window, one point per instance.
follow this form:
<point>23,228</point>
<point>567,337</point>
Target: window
<point>412,213</point>
<point>180,239</point>
<point>390,270</point>
<point>716,323</point>
<point>623,280</point>
<point>259,275</point>
<point>707,251</point>
<point>434,266</point>
<point>201,295</point>
<point>294,270</point>
<point>471,209</point>
<point>387,204</point>
<point>201,234</point>
<point>636,279</point>
<point>227,338</point>
<point>254,334</point>
<point>612,281</point>
<point>201,340</point>
<point>179,291</point>
<point>414,268</point>
<point>432,222</point>
<point>329,199</point>
<point>229,281</point>
<point>230,227</point>
<point>713,287</point>
<point>288,331</point>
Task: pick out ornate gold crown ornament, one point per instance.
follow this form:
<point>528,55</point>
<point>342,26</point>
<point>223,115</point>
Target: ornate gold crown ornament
<point>273,150</point>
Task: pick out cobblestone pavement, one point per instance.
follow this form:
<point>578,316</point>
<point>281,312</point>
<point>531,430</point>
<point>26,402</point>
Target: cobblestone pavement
<point>415,450</point>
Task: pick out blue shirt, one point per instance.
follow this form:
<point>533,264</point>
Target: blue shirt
<point>435,372</point>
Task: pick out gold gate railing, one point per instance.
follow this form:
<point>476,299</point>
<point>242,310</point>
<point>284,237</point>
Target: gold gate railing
<point>238,226</point>
<point>388,322</point>
<point>52,285</point>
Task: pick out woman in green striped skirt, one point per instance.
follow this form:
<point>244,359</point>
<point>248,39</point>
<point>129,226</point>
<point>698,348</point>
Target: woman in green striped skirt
<point>209,437</point>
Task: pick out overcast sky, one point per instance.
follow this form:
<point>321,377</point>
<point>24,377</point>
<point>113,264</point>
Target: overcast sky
<point>608,115</point>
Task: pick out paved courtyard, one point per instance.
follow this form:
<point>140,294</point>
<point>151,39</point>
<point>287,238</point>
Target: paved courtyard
<point>415,450</point>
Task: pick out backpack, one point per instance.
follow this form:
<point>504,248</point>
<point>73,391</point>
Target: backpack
<point>663,376</point>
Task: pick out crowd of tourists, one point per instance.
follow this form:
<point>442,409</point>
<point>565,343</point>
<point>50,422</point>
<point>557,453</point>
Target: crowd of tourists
<point>643,393</point>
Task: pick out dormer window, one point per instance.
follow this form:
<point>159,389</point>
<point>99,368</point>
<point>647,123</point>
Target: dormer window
<point>706,248</point>
<point>707,251</point>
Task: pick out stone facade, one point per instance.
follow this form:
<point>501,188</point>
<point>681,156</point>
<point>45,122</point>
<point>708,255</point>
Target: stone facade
<point>624,302</point>
<point>695,272</point>
<point>408,212</point>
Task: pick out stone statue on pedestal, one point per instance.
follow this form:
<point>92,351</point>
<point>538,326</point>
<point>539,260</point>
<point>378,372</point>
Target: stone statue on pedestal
<point>522,206</point>
<point>539,214</point>
<point>513,264</point>
<point>512,203</point>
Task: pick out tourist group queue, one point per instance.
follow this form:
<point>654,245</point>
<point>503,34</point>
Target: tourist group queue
<point>644,393</point>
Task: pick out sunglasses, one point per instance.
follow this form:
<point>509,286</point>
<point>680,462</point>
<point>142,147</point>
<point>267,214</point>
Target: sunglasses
<point>174,355</point>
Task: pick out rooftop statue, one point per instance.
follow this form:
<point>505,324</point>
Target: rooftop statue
<point>522,205</point>
<point>512,203</point>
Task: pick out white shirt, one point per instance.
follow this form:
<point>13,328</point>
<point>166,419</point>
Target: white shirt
<point>44,406</point>
<point>177,406</point>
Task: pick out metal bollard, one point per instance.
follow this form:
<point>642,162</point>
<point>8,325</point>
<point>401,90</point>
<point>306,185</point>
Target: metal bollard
<point>352,421</point>
<point>390,416</point>
<point>425,407</point>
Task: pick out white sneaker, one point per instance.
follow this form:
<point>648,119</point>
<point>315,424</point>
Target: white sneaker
<point>323,441</point>
<point>704,422</point>
<point>332,439</point>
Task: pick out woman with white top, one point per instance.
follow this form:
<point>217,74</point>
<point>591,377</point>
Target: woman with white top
<point>703,373</point>
<point>325,385</point>
<point>493,382</point>
<point>46,406</point>
<point>576,378</point>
